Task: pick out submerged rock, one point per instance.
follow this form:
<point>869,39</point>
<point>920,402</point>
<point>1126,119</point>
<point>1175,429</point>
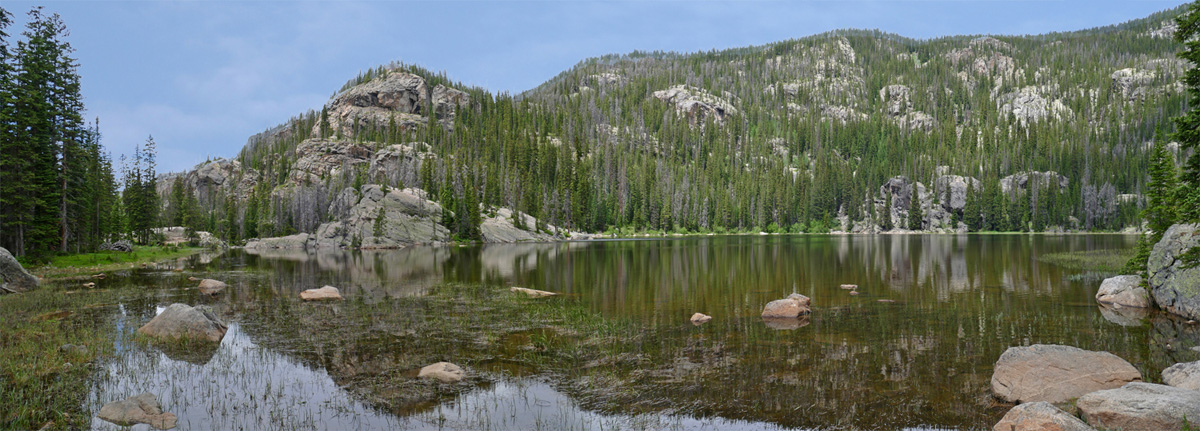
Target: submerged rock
<point>324,293</point>
<point>1175,288</point>
<point>1140,406</point>
<point>181,320</point>
<point>700,319</point>
<point>532,293</point>
<point>791,307</point>
<point>140,409</point>
<point>1040,416</point>
<point>13,277</point>
<point>1056,374</point>
<point>443,371</point>
<point>1123,291</point>
<point>209,286</point>
<point>1183,375</point>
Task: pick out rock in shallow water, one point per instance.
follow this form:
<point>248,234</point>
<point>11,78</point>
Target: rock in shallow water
<point>791,307</point>
<point>1123,291</point>
<point>140,409</point>
<point>1039,416</point>
<point>324,293</point>
<point>700,319</point>
<point>1056,374</point>
<point>209,286</point>
<point>181,320</point>
<point>532,293</point>
<point>1140,406</point>
<point>443,371</point>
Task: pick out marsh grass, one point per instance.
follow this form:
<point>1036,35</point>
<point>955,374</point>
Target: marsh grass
<point>40,381</point>
<point>73,265</point>
<point>1107,261</point>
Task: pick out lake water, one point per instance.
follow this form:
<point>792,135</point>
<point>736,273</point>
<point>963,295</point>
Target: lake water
<point>913,350</point>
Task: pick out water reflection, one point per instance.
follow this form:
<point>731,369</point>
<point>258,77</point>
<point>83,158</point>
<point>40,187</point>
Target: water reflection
<point>914,350</point>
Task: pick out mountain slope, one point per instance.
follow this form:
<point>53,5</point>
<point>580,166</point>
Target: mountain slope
<point>843,130</point>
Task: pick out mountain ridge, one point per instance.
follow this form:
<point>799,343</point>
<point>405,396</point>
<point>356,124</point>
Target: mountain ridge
<point>831,131</point>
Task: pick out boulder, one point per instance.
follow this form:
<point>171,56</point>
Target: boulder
<point>1123,291</point>
<point>795,305</point>
<point>209,286</point>
<point>13,277</point>
<point>140,409</point>
<point>1040,416</point>
<point>1175,288</point>
<point>181,320</point>
<point>443,371</point>
<point>297,241</point>
<point>700,319</point>
<point>849,286</point>
<point>532,293</point>
<point>324,293</point>
<point>1057,374</point>
<point>1183,375</point>
<point>1140,406</point>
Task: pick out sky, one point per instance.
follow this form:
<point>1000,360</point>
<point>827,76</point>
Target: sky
<point>203,76</point>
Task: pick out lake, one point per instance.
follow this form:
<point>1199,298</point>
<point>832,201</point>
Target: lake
<point>914,349</point>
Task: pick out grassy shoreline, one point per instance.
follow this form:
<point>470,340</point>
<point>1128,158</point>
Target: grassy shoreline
<point>72,266</point>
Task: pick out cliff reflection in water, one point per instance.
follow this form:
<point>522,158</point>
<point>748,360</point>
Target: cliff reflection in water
<point>921,356</point>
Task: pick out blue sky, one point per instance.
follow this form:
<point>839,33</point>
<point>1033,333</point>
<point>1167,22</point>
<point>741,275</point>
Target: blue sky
<point>201,77</point>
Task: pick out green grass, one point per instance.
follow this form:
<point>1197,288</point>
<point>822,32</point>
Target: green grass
<point>40,382</point>
<point>1104,261</point>
<point>71,265</point>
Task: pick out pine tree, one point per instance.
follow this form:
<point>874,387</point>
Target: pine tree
<point>916,215</point>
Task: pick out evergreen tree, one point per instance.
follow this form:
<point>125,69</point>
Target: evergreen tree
<point>916,215</point>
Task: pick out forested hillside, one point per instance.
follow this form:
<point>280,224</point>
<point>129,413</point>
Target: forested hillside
<point>851,130</point>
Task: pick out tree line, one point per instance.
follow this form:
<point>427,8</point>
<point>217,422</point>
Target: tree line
<point>59,190</point>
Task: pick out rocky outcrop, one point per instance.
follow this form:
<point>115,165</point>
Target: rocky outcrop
<point>297,241</point>
<point>1183,375</point>
<point>696,103</point>
<point>317,160</point>
<point>326,293</point>
<point>1028,105</point>
<point>952,191</point>
<point>606,79</point>
<point>1175,288</point>
<point>1020,181</point>
<point>1140,406</point>
<point>446,100</point>
<point>384,219</point>
<point>1057,374</point>
<point>184,321</point>
<point>1039,416</point>
<point>1132,83</point>
<point>139,409</point>
<point>1123,291</point>
<point>795,305</point>
<point>896,99</point>
<point>399,165</point>
<point>499,228</point>
<point>443,371</point>
<point>13,277</point>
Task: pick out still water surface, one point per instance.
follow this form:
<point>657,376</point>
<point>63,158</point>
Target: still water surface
<point>914,350</point>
